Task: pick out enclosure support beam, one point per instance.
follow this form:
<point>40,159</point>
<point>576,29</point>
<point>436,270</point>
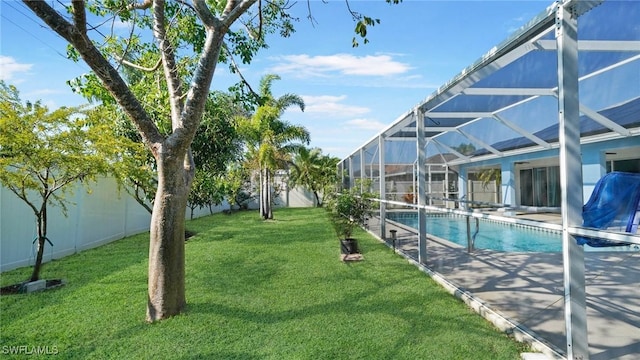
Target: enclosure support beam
<point>447,204</point>
<point>429,187</point>
<point>422,195</point>
<point>571,173</point>
<point>383,187</point>
<point>351,179</point>
<point>363,173</point>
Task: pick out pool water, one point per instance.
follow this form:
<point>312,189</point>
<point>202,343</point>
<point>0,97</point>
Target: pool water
<point>491,235</point>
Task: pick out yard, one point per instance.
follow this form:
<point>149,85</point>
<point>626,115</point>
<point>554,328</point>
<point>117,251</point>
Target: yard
<point>255,290</point>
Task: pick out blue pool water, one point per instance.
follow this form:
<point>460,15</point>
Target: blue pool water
<point>491,235</point>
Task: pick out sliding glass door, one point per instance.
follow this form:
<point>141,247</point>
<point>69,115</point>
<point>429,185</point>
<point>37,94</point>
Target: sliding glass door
<point>540,186</point>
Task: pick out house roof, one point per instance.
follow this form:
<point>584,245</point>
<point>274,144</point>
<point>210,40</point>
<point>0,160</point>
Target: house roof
<point>626,115</point>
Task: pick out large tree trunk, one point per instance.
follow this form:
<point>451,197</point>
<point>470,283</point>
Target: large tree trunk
<point>166,245</point>
<point>42,237</point>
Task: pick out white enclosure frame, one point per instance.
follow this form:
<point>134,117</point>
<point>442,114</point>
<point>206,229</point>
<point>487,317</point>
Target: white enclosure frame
<point>559,19</point>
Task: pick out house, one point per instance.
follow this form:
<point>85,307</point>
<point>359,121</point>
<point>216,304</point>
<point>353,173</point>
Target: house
<point>541,117</point>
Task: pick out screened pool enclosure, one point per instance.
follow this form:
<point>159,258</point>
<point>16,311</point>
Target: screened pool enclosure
<point>521,135</point>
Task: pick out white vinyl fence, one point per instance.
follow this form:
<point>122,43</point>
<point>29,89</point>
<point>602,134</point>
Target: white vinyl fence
<point>94,218</point>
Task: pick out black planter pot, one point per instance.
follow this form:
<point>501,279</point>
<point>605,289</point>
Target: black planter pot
<point>349,246</point>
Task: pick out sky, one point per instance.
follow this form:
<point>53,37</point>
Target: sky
<point>350,94</point>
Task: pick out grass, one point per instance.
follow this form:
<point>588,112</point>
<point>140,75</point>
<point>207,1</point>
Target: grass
<point>255,290</point>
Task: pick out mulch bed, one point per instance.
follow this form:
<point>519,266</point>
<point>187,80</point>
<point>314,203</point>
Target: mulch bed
<point>20,288</point>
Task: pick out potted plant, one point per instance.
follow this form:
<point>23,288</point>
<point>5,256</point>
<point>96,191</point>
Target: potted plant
<point>348,209</point>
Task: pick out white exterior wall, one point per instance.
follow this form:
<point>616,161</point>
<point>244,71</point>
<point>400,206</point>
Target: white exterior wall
<point>94,218</point>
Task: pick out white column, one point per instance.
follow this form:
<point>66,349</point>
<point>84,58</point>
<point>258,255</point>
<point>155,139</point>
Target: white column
<point>463,189</point>
<point>362,170</point>
<point>421,188</point>
<point>430,189</point>
<point>351,179</point>
<point>383,187</point>
<point>447,204</point>
<point>571,173</point>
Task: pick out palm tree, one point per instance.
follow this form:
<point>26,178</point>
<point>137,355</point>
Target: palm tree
<point>270,139</point>
<point>487,176</point>
<point>314,171</point>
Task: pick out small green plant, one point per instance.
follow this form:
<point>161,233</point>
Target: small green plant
<point>349,208</point>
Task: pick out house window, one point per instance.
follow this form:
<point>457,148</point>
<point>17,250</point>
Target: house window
<point>540,186</point>
<point>630,165</point>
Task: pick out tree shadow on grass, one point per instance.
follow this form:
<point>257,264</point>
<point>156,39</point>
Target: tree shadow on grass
<point>361,297</point>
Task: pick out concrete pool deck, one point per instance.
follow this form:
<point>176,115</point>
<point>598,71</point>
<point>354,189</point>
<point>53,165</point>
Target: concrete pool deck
<point>527,290</point>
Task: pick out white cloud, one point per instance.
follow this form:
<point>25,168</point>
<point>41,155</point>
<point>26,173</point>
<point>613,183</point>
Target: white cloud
<point>50,104</point>
<point>9,68</point>
<point>517,22</point>
<point>332,106</point>
<point>339,64</point>
<point>118,24</point>
<point>45,91</point>
<point>366,124</point>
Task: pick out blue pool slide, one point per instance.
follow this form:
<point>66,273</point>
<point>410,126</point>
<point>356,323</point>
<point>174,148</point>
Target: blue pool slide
<point>613,205</point>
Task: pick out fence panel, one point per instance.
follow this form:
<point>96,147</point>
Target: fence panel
<point>94,218</point>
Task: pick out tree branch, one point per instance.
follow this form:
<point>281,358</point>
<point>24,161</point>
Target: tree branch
<point>103,69</point>
<point>174,83</point>
<point>205,15</point>
<point>354,15</point>
<point>202,77</point>
<point>237,69</point>
<point>233,10</point>
<point>22,194</point>
<point>79,16</point>
<point>139,199</point>
<point>260,19</point>
<point>126,49</point>
<point>146,4</point>
<point>183,2</point>
<point>139,67</point>
<point>309,16</point>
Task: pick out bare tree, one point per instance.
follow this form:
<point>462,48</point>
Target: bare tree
<point>203,25</point>
<point>174,163</point>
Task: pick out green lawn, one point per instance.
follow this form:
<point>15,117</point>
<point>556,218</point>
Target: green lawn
<point>255,290</point>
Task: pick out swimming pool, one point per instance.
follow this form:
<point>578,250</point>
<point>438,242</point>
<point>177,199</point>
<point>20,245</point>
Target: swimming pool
<point>491,235</point>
